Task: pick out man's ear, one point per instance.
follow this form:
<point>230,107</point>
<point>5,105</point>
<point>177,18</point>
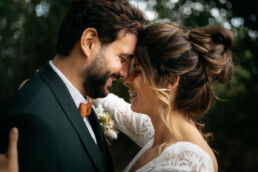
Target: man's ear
<point>89,42</point>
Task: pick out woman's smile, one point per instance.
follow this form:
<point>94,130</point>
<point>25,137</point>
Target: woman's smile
<point>132,95</point>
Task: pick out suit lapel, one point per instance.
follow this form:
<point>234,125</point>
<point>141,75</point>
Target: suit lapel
<point>97,129</point>
<point>65,100</point>
<point>101,139</point>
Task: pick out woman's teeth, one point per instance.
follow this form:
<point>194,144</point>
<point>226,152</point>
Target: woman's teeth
<point>132,95</point>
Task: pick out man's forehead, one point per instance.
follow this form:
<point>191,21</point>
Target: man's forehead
<point>126,44</point>
<point>123,33</point>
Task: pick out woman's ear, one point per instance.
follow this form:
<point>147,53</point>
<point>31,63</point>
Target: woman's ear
<point>174,82</point>
<point>89,42</point>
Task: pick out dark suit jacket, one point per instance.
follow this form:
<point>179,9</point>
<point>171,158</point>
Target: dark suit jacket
<point>52,134</point>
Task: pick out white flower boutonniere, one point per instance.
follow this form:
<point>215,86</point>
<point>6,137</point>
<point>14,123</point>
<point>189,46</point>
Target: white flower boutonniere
<point>106,122</point>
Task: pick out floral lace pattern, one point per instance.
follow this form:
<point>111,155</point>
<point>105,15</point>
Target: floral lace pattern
<point>181,156</point>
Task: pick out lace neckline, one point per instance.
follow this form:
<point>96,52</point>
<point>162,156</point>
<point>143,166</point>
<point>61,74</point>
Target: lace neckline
<point>171,147</point>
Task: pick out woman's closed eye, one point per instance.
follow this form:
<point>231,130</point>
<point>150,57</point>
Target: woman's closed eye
<point>136,71</point>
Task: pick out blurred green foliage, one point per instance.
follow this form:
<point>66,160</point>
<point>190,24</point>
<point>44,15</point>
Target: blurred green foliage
<point>28,32</point>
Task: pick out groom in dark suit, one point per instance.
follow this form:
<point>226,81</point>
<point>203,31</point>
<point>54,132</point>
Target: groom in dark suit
<point>95,43</point>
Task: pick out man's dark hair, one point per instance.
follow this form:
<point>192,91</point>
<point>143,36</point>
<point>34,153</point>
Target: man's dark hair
<point>108,17</point>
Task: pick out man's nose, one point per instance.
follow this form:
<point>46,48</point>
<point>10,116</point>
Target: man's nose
<point>124,70</point>
<point>123,74</point>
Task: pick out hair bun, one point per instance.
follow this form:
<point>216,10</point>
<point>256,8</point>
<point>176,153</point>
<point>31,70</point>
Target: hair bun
<point>213,44</point>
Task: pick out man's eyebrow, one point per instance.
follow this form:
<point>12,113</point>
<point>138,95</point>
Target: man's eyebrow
<point>127,55</point>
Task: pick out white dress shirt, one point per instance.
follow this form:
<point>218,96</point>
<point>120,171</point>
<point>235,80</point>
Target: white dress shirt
<point>76,95</point>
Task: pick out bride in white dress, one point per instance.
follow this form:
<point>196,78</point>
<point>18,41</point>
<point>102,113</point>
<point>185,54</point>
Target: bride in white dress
<point>172,83</point>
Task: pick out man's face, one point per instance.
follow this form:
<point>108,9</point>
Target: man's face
<point>111,62</point>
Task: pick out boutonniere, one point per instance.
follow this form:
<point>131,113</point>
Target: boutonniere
<point>106,122</point>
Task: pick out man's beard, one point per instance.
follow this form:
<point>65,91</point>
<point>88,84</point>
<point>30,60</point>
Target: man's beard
<point>95,77</point>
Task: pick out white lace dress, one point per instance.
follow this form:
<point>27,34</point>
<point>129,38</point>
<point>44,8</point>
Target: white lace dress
<point>181,156</point>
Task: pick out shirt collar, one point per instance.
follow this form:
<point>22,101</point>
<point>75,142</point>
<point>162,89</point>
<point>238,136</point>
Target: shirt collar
<point>75,93</point>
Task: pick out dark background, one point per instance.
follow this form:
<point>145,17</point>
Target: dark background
<point>28,32</point>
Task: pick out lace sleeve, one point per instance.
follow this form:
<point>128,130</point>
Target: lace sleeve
<point>136,126</point>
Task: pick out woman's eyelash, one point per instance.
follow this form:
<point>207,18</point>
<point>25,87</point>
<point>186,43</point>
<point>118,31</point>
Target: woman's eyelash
<point>137,71</point>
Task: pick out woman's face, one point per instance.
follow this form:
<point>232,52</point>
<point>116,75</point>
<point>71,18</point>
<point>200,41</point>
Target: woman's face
<point>142,98</point>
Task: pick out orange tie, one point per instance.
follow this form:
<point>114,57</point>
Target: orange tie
<point>85,109</point>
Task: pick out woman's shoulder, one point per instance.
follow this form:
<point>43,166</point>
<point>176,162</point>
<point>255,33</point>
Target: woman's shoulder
<point>181,156</point>
<point>188,156</point>
<point>185,146</point>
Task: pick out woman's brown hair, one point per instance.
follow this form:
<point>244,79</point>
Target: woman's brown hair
<point>199,56</point>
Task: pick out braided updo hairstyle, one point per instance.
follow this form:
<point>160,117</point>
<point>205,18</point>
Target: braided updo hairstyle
<point>200,57</point>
